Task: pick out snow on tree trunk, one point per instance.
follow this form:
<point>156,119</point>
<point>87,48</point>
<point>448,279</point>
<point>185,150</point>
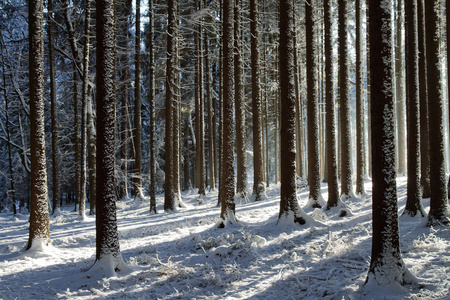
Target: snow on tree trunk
<point>439,212</point>
<point>346,170</point>
<point>331,143</point>
<point>123,12</point>
<point>360,143</point>
<point>151,95</point>
<point>227,213</point>
<point>92,157</point>
<point>386,266</point>
<point>171,82</point>
<point>315,198</point>
<point>54,112</point>
<point>137,132</point>
<point>199,108</point>
<point>290,210</point>
<point>211,114</point>
<point>241,173</point>
<point>39,233</point>
<point>84,103</point>
<point>424,118</point>
<point>399,91</point>
<point>77,136</point>
<point>108,257</point>
<point>258,154</point>
<point>414,197</point>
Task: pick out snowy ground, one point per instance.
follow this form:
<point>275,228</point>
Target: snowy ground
<point>181,256</point>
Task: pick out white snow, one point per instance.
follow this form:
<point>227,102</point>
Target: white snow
<point>181,256</point>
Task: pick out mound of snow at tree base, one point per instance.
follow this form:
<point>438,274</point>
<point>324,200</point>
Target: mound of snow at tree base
<point>180,256</point>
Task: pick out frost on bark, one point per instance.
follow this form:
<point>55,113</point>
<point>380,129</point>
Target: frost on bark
<point>171,84</point>
<point>76,121</point>
<point>241,173</point>
<point>152,102</point>
<point>290,210</point>
<point>211,111</point>
<point>123,13</point>
<point>176,126</point>
<point>315,198</point>
<point>199,109</point>
<point>92,157</point>
<point>399,91</point>
<point>108,257</point>
<point>424,118</point>
<point>386,265</point>
<point>360,143</point>
<point>414,196</point>
<point>137,132</point>
<point>344,108</point>
<point>258,154</point>
<point>8,134</point>
<point>227,213</point>
<point>439,212</point>
<point>447,26</point>
<point>331,143</point>
<point>39,233</point>
<point>54,112</point>
<point>84,102</point>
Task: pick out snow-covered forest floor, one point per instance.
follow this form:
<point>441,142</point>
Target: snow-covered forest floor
<point>182,256</point>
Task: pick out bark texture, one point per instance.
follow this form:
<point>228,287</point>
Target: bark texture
<point>386,265</point>
<point>39,218</point>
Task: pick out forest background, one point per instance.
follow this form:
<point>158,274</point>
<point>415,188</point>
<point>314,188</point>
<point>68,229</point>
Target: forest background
<point>179,70</point>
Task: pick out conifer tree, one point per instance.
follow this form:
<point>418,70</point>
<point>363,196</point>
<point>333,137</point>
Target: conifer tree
<point>39,233</point>
<point>386,264</point>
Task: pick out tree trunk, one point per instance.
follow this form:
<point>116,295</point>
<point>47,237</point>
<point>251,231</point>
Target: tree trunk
<point>137,176</point>
<point>386,265</point>
<point>227,213</point>
<point>177,128</point>
<point>447,26</point>
<point>77,138</point>
<point>107,242</point>
<point>360,128</point>
<point>439,212</point>
<point>151,94</point>
<point>414,197</point>
<point>241,173</point>
<point>199,109</point>
<point>171,82</point>
<point>123,11</point>
<point>211,118</point>
<point>258,155</point>
<point>424,118</point>
<point>346,170</point>
<point>399,92</point>
<point>92,156</point>
<point>333,188</point>
<point>54,113</point>
<point>39,233</point>
<point>84,102</point>
<point>290,210</point>
<point>8,134</point>
<point>312,108</point>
